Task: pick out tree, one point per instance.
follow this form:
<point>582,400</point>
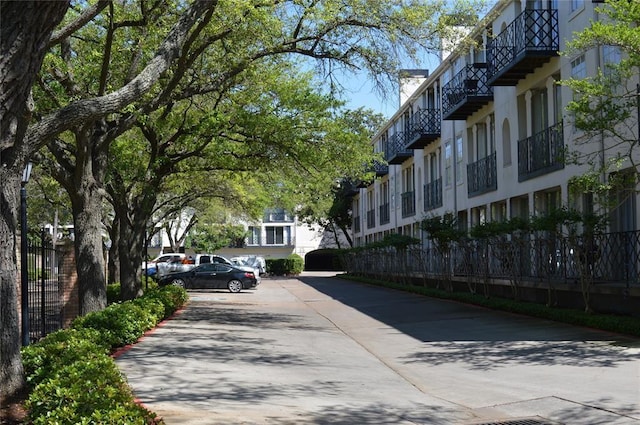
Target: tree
<point>225,42</point>
<point>605,108</point>
<point>26,29</point>
<point>25,32</point>
<point>332,210</point>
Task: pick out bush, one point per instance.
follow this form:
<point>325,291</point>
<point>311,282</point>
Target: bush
<point>71,376</point>
<point>113,293</point>
<point>292,265</point>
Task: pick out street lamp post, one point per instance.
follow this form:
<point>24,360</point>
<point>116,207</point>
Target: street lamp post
<point>24,277</point>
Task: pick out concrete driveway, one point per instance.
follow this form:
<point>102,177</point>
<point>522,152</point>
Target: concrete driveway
<point>320,350</point>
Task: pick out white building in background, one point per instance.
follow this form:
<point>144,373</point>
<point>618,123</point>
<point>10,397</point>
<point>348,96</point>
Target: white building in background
<point>277,235</point>
<point>482,136</point>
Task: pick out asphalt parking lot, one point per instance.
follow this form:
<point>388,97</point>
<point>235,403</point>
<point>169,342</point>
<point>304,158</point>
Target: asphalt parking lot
<point>320,350</point>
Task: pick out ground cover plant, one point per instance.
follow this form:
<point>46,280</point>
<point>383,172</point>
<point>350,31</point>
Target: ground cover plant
<point>71,376</point>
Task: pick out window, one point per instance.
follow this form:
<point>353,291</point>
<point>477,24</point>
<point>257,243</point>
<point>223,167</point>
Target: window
<point>275,235</point>
<point>448,163</point>
<point>254,235</point>
<point>459,159</point>
<point>611,56</point>
<point>576,4</point>
<point>578,67</point>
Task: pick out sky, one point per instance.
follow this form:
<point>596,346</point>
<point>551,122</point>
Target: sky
<point>360,91</point>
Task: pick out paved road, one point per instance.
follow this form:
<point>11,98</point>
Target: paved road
<point>320,350</point>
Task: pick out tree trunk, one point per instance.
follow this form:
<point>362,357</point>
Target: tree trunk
<point>25,31</point>
<point>113,265</point>
<point>131,247</point>
<point>11,375</point>
<point>87,212</point>
<point>87,199</point>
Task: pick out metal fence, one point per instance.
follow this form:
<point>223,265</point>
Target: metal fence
<point>605,258</point>
<point>45,306</point>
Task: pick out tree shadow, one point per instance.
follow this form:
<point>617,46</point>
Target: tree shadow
<point>481,338</point>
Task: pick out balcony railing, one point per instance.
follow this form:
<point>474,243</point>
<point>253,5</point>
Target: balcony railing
<point>541,153</point>
<point>371,219</point>
<point>425,128</point>
<point>467,92</point>
<point>481,176</point>
<point>527,43</point>
<point>277,216</point>
<point>397,151</point>
<point>385,216</point>
<point>408,204</point>
<point>433,195</point>
<point>378,168</point>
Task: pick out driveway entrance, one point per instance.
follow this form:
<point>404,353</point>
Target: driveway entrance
<point>320,350</point>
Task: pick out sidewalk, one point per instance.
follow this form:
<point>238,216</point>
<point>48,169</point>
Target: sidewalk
<point>318,350</point>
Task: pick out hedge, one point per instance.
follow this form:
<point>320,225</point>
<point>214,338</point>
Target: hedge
<point>73,379</point>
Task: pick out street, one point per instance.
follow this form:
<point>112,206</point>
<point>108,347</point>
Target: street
<point>320,350</point>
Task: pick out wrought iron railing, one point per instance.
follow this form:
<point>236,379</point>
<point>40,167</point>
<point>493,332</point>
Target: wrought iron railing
<point>424,121</point>
<point>532,31</point>
<point>470,82</point>
<point>397,146</point>
<point>408,204</point>
<point>541,153</point>
<point>433,194</point>
<point>481,176</point>
<point>45,302</point>
<point>530,257</point>
<point>385,213</point>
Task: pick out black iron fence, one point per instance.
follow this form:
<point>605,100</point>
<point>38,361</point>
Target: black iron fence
<point>45,306</point>
<point>602,258</point>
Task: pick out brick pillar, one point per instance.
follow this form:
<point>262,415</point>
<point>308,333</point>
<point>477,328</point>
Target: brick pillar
<point>68,277</point>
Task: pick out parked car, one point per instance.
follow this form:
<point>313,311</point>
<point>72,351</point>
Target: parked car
<point>200,259</point>
<point>212,276</point>
<point>164,263</point>
<point>256,261</point>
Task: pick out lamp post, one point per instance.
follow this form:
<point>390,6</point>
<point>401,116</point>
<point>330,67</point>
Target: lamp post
<point>24,277</point>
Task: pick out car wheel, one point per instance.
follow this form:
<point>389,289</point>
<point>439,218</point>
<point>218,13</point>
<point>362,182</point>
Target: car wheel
<point>234,285</point>
<point>178,282</point>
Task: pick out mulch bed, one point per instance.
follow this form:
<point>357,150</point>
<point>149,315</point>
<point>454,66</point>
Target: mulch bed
<point>12,411</point>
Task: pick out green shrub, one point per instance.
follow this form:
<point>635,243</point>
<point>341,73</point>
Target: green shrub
<point>292,265</point>
<point>295,264</point>
<point>71,376</point>
<point>90,390</point>
<point>113,293</point>
<point>58,349</point>
<point>120,324</point>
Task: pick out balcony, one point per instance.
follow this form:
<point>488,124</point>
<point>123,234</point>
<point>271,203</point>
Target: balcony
<point>277,216</point>
<point>481,176</point>
<point>425,128</point>
<point>408,204</point>
<point>385,213</point>
<point>379,169</point>
<point>541,153</point>
<point>527,43</point>
<point>397,151</point>
<point>466,93</point>
<point>371,219</point>
<point>433,195</point>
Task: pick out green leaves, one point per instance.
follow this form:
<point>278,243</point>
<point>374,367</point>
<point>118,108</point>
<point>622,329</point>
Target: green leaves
<point>72,378</point>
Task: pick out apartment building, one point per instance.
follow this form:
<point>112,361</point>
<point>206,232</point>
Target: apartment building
<point>483,135</point>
